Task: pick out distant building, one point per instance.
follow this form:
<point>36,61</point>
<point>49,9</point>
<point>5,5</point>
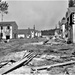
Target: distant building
<point>68,24</point>
<point>8,30</point>
<point>28,33</point>
<point>64,26</point>
<point>71,23</point>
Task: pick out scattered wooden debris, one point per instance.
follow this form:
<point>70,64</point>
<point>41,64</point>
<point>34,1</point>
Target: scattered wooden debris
<point>54,65</point>
<point>18,64</point>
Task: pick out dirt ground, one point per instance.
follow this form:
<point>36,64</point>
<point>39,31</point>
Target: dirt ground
<point>48,55</point>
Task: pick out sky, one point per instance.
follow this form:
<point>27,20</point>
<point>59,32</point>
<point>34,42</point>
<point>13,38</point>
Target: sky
<point>44,14</point>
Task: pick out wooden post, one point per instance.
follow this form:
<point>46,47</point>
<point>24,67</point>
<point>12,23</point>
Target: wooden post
<point>70,28</point>
<point>71,33</point>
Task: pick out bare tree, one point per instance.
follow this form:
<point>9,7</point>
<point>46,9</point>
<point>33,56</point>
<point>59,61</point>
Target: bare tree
<point>71,3</point>
<point>3,8</point>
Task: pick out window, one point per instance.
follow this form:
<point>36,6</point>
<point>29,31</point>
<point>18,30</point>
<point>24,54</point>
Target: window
<point>8,27</point>
<point>1,27</point>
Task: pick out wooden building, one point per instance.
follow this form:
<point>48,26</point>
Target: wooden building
<point>8,30</point>
<point>71,23</point>
<point>28,33</point>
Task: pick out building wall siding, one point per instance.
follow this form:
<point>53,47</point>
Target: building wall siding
<point>13,29</point>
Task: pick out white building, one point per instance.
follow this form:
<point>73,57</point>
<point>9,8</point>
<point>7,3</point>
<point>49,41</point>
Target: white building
<point>8,30</point>
<point>28,33</point>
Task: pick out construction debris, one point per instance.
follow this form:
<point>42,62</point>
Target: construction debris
<point>18,64</point>
<point>49,57</point>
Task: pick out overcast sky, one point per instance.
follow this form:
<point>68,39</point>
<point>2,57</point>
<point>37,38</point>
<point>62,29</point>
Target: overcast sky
<point>44,14</point>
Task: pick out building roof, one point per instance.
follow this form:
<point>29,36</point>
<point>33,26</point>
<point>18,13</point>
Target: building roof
<point>26,31</point>
<point>70,10</point>
<point>8,23</point>
<point>22,31</point>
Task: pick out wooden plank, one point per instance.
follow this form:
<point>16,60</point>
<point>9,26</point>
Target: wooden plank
<point>54,65</point>
<point>17,65</point>
<point>13,66</point>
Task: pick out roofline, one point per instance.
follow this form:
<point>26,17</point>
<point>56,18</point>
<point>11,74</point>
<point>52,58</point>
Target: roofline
<point>8,22</point>
<point>30,29</point>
